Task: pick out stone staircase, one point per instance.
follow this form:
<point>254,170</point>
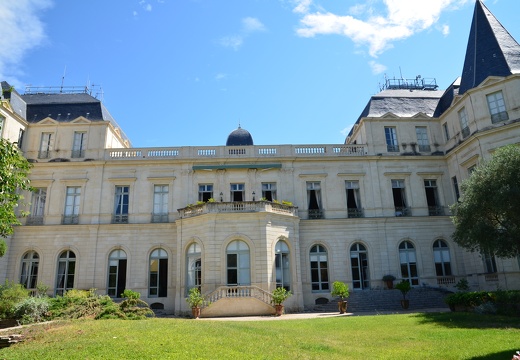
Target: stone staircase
<point>389,300</point>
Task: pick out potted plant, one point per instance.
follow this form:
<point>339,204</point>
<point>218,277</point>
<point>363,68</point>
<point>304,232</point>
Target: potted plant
<point>340,290</point>
<point>195,300</point>
<point>389,281</point>
<point>404,286</point>
<point>279,295</point>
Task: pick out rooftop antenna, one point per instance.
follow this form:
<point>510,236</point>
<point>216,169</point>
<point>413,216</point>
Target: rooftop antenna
<point>63,79</point>
<point>239,124</point>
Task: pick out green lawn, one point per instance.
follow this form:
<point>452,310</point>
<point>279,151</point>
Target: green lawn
<point>411,336</point>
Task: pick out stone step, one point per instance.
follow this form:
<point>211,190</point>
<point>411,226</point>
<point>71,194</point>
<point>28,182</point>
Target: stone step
<point>389,300</point>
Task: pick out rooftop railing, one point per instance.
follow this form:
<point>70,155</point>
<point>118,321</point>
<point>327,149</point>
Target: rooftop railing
<point>268,151</point>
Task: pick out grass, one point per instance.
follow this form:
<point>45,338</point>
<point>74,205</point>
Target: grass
<point>411,336</point>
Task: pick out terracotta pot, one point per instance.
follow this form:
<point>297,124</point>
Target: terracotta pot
<point>279,310</point>
<point>342,306</point>
<point>195,311</point>
<point>405,304</point>
<point>389,284</point>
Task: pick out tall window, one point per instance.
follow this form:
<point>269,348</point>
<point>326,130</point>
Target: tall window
<point>353,199</point>
<point>21,136</point>
<point>314,200</point>
<point>490,264</point>
<point>269,191</point>
<point>158,281</point>
<point>116,273</point>
<point>29,275</point>
<point>446,132</point>
<point>441,256</point>
<point>66,271</point>
<point>72,200</point>
<point>432,198</point>
<point>237,192</point>
<point>408,262</point>
<point>121,205</point>
<point>39,197</point>
<point>497,107</point>
<point>422,138</point>
<point>455,187</point>
<point>359,266</point>
<point>46,144</point>
<point>319,268</point>
<point>160,203</point>
<point>205,192</point>
<point>463,119</point>
<point>399,198</point>
<point>391,139</point>
<point>78,146</point>
<point>238,263</point>
<point>194,267</point>
<point>282,265</point>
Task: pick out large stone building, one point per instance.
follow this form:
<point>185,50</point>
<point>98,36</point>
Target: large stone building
<point>109,216</point>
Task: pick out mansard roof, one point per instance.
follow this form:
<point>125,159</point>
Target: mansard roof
<point>491,50</point>
<point>63,107</point>
<point>403,103</point>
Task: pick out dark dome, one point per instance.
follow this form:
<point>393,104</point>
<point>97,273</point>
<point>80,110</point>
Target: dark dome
<point>239,137</point>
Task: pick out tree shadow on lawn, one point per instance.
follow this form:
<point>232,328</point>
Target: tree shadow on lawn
<point>507,354</point>
<point>469,320</point>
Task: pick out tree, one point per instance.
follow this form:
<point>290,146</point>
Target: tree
<point>487,217</point>
<point>14,169</point>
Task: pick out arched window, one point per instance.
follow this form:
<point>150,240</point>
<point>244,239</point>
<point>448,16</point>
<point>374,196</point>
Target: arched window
<point>238,263</point>
<point>116,273</point>
<point>66,271</point>
<point>194,267</point>
<point>441,256</point>
<point>158,283</point>
<point>359,264</point>
<point>408,262</point>
<point>29,274</point>
<point>319,268</point>
<point>282,265</point>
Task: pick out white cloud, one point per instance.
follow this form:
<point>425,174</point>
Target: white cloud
<point>445,30</point>
<point>346,130</point>
<point>302,6</point>
<point>249,25</point>
<point>22,30</point>
<point>220,76</point>
<point>234,41</point>
<point>376,67</point>
<point>403,19</point>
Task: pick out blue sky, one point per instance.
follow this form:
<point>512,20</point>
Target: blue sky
<point>186,72</point>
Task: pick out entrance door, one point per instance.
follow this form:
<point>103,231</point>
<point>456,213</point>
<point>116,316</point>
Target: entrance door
<point>359,265</point>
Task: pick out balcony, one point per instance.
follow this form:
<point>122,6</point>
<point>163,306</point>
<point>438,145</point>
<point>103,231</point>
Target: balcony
<point>435,210</point>
<point>402,211</point>
<point>120,219</point>
<point>159,218</point>
<point>355,213</point>
<point>315,214</point>
<point>237,207</point>
<point>34,220</point>
<point>70,220</point>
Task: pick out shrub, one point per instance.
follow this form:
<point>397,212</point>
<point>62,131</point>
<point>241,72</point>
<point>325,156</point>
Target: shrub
<point>10,294</point>
<point>462,285</point>
<point>133,307</point>
<point>280,294</point>
<point>32,310</point>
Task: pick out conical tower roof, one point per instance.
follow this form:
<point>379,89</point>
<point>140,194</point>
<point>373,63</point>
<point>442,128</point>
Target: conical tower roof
<point>491,50</point>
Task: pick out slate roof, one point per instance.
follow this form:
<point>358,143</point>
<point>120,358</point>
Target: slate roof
<point>62,107</point>
<point>491,50</point>
<point>404,103</point>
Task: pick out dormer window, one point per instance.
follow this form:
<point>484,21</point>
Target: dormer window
<point>497,107</point>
